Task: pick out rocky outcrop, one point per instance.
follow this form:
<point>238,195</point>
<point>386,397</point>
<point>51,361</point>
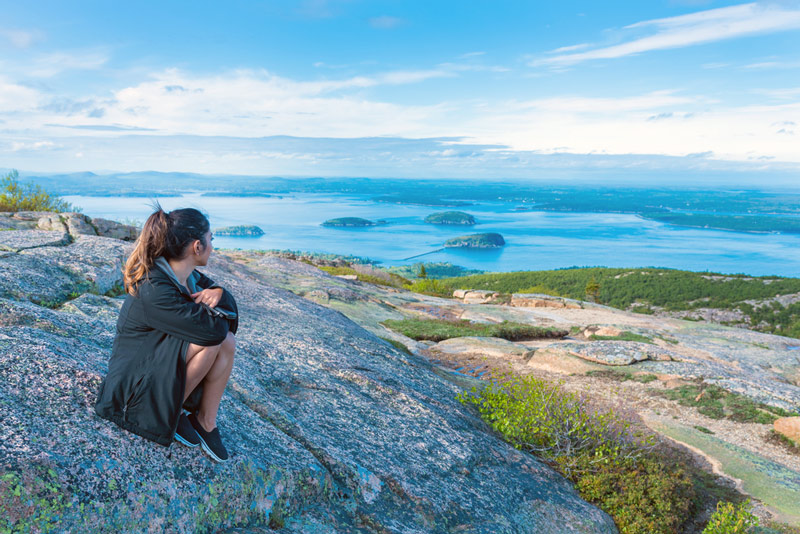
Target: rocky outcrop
<point>491,347</point>
<point>788,427</point>
<point>329,428</point>
<point>538,300</point>
<point>475,296</point>
<point>72,223</point>
<point>616,352</point>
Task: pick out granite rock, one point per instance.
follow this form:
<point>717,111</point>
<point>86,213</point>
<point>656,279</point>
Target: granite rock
<point>481,346</point>
<point>616,352</point>
<point>537,300</point>
<point>789,427</point>
<point>329,428</point>
<point>107,228</point>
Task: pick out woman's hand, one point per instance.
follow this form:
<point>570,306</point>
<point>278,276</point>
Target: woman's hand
<point>210,297</point>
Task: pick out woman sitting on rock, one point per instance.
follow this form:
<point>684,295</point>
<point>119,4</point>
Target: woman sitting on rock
<point>174,345</point>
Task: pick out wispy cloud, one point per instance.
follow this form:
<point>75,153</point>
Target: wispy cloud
<point>21,38</point>
<point>386,22</point>
<point>687,30</point>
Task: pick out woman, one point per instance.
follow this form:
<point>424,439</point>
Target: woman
<point>174,346</point>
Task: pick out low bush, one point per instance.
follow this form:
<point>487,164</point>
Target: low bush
<point>731,518</point>
<point>611,464</point>
<point>439,330</point>
<point>718,403</point>
<point>28,197</point>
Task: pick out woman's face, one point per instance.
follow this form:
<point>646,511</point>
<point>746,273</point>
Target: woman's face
<point>202,256</point>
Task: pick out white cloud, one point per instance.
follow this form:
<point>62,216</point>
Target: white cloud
<point>21,38</point>
<point>692,29</point>
<point>17,98</point>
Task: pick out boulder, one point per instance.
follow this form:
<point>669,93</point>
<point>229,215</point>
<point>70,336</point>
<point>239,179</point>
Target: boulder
<point>537,300</point>
<point>476,296</point>
<point>30,215</point>
<point>107,228</point>
<point>51,222</point>
<point>616,352</point>
<point>480,346</point>
<point>459,293</point>
<point>601,331</point>
<point>788,427</point>
<point>78,224</point>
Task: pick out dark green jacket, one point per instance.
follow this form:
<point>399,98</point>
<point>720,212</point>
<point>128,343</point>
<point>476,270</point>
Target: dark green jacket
<point>143,389</point>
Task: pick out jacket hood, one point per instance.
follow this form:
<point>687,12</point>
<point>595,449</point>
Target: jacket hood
<point>191,281</point>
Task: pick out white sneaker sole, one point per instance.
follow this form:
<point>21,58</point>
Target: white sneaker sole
<point>209,452</point>
<point>184,442</point>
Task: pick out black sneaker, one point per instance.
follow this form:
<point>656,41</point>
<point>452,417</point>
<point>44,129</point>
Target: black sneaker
<point>186,433</point>
<point>210,441</point>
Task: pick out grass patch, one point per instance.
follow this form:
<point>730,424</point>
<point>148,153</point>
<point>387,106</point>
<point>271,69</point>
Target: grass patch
<point>703,429</point>
<point>779,439</point>
<point>439,330</point>
<point>625,336</point>
<point>718,403</point>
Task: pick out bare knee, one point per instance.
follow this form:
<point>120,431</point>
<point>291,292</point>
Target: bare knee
<point>229,344</point>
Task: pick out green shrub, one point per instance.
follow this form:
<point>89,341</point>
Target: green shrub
<point>28,197</point>
<point>439,330</point>
<point>611,464</point>
<point>541,418</point>
<point>731,519</point>
<point>643,496</point>
<point>429,286</point>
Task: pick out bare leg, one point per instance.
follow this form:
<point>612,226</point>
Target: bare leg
<point>214,383</point>
<point>199,360</point>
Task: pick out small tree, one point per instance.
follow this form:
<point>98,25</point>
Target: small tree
<point>28,197</point>
<point>593,290</point>
<point>422,273</point>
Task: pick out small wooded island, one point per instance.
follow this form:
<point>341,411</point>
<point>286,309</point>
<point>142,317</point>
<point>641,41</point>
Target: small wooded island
<point>351,222</point>
<point>240,231</point>
<point>450,217</point>
<point>488,240</point>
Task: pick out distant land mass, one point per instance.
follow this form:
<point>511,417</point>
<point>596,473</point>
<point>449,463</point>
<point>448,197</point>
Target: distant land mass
<point>235,194</point>
<point>742,210</point>
<point>450,217</point>
<point>488,240</point>
<point>240,231</point>
<point>420,200</point>
<point>351,222</point>
<point>739,223</point>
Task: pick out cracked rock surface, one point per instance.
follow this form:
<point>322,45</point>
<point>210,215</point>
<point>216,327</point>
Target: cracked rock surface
<point>329,428</point>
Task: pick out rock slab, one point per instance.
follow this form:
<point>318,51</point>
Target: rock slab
<point>788,427</point>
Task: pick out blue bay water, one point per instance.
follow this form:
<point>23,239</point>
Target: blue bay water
<point>534,239</point>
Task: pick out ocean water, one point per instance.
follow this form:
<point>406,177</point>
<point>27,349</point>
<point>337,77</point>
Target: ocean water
<point>534,239</point>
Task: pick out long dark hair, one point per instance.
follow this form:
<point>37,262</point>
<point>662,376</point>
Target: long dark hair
<point>163,234</point>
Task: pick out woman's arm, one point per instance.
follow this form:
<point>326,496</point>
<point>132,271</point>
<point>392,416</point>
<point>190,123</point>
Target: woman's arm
<point>166,309</point>
<point>227,301</point>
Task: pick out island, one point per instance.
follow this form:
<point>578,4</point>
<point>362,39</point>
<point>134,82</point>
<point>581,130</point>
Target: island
<point>450,217</point>
<point>488,240</point>
<point>240,231</point>
<point>349,222</point>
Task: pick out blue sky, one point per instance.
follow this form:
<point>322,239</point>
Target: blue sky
<point>400,88</point>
